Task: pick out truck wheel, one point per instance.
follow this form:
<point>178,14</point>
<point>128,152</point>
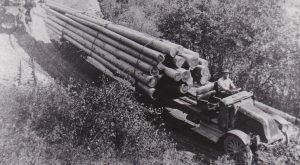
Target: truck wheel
<point>237,150</point>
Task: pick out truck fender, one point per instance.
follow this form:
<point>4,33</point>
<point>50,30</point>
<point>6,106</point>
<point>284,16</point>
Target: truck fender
<point>242,135</point>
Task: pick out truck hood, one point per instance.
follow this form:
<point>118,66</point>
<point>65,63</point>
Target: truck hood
<point>271,128</point>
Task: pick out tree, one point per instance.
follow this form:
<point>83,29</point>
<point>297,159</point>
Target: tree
<point>253,38</point>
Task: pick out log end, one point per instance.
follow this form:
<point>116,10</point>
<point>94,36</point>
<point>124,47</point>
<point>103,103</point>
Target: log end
<point>154,71</point>
<point>152,82</point>
<point>177,77</point>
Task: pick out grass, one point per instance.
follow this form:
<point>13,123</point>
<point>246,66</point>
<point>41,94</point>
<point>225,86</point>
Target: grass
<point>82,124</point>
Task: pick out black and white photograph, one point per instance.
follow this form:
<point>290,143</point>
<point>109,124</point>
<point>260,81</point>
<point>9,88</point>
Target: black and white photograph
<point>149,82</point>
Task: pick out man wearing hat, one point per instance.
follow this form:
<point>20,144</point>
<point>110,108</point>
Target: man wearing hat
<point>225,85</point>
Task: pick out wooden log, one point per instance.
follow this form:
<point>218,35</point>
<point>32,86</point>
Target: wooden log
<point>274,111</point>
<point>191,60</point>
<point>201,74</point>
<point>146,79</point>
<point>183,88</point>
<point>99,66</point>
<point>167,86</point>
<point>118,53</point>
<point>203,62</point>
<point>144,39</point>
<point>206,88</point>
<point>104,62</point>
<point>190,81</point>
<point>106,39</point>
<point>200,60</point>
<point>206,95</point>
<point>188,51</point>
<point>178,61</point>
<point>185,74</point>
<point>150,92</point>
<point>158,56</point>
<point>172,73</point>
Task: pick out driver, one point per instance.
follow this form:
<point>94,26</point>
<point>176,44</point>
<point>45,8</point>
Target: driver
<point>225,85</point>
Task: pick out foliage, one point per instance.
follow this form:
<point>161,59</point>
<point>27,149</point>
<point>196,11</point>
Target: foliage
<point>281,154</point>
<point>136,14</point>
<point>255,39</point>
<point>83,124</point>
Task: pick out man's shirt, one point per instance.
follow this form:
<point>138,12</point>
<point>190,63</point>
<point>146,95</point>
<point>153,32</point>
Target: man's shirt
<point>225,84</point>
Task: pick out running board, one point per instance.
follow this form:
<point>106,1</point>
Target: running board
<point>209,132</point>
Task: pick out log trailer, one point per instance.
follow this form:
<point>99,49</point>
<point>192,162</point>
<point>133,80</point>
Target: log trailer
<point>166,71</point>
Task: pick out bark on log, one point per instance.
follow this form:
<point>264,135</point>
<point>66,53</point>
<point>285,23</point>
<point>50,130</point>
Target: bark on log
<point>146,79</point>
<point>144,39</point>
<point>99,66</point>
<point>188,51</point>
<point>67,28</point>
<point>158,56</point>
<point>203,62</point>
<point>191,60</point>
<point>116,71</point>
<point>183,88</point>
<point>107,39</point>
<point>178,61</point>
<point>274,111</point>
<point>204,73</point>
<point>172,73</point>
<point>206,95</point>
<point>200,60</point>
<point>151,92</point>
<point>206,88</point>
<point>185,74</point>
<point>190,81</point>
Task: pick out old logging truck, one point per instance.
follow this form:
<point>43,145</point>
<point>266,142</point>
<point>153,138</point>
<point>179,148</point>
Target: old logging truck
<point>166,72</point>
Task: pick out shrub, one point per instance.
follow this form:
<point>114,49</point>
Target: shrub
<point>257,40</point>
<point>86,123</point>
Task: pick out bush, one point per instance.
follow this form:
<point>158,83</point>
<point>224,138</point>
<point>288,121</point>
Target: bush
<point>135,14</point>
<point>281,154</point>
<point>257,40</point>
<point>83,123</point>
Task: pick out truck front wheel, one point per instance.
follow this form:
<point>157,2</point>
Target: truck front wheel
<point>238,150</point>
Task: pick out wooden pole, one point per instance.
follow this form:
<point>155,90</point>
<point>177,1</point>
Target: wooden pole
<point>191,60</point>
<point>274,111</point>
<point>206,95</point>
<point>201,60</point>
<point>204,72</point>
<point>116,52</point>
<point>183,88</point>
<point>178,61</point>
<point>105,38</point>
<point>206,88</point>
<point>159,57</point>
<point>107,64</point>
<point>170,49</point>
<point>151,92</point>
<point>172,73</point>
<point>146,79</point>
<point>185,74</point>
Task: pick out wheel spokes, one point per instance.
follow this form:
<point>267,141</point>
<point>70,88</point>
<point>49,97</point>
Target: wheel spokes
<point>237,150</point>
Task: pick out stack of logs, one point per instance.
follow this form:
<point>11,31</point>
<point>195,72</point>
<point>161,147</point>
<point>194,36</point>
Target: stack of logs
<point>119,51</point>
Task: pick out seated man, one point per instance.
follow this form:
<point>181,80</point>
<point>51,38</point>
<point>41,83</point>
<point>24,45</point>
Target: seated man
<point>225,85</point>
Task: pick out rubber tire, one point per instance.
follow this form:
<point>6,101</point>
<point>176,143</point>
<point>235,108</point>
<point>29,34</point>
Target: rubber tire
<point>237,150</point>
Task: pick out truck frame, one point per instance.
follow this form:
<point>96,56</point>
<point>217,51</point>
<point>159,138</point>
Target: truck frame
<point>238,122</point>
